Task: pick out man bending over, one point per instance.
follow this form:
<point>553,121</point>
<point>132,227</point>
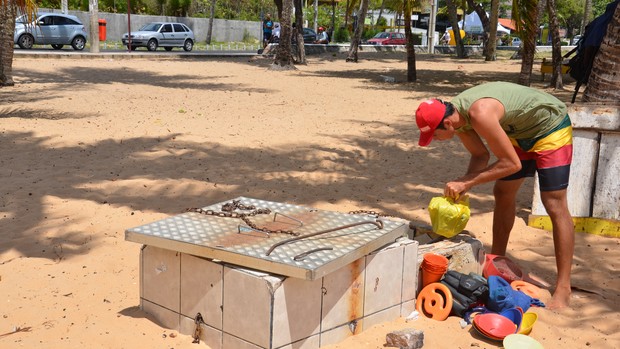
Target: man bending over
<point>528,131</point>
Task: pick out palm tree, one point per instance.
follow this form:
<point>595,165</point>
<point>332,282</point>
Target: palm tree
<point>460,48</point>
<point>315,6</point>
<point>587,12</point>
<point>491,46</point>
<point>8,12</point>
<point>484,19</point>
<point>283,59</point>
<point>299,32</point>
<point>411,69</point>
<point>380,13</point>
<point>525,15</point>
<point>211,18</point>
<point>604,82</point>
<point>357,35</point>
<point>556,46</point>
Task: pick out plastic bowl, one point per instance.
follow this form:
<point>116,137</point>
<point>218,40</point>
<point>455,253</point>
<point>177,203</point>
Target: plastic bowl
<point>495,325</point>
<point>527,323</point>
<point>527,288</point>
<point>485,335</point>
<point>521,341</point>
<point>503,267</point>
<point>515,315</point>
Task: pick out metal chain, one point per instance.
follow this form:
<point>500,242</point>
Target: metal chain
<point>198,320</point>
<point>228,210</point>
<point>373,213</point>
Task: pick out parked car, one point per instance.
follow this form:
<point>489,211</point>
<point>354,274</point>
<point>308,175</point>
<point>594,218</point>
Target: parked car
<point>165,34</point>
<point>515,41</point>
<point>54,29</point>
<point>388,38</point>
<point>575,39</point>
<point>309,36</point>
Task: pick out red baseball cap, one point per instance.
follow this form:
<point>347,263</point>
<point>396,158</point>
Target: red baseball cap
<point>428,117</point>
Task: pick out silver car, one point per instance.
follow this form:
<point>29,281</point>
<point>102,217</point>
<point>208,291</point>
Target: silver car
<point>54,29</point>
<point>165,34</point>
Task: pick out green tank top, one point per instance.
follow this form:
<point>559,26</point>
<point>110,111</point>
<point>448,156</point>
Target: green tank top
<point>529,113</point>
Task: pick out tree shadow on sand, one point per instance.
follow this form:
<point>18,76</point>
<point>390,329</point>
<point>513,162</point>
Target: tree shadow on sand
<point>138,172</point>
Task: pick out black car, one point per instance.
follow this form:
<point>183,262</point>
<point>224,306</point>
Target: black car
<point>309,36</point>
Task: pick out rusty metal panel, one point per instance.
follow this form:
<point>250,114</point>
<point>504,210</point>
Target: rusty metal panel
<point>230,240</point>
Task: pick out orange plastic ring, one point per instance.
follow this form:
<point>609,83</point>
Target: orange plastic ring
<point>435,301</point>
<point>526,287</point>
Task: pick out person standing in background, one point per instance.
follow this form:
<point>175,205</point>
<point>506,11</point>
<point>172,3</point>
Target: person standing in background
<point>267,29</point>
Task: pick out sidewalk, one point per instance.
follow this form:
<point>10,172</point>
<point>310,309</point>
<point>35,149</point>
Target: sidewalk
<point>124,54</point>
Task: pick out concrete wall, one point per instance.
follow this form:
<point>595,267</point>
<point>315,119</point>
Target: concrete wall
<point>594,189</point>
<point>223,30</point>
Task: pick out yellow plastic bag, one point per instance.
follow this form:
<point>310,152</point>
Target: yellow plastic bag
<point>447,217</point>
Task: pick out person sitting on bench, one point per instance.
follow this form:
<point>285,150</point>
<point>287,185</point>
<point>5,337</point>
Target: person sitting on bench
<point>322,37</point>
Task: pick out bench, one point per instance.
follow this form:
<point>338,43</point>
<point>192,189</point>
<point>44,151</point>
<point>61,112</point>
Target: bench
<point>546,67</point>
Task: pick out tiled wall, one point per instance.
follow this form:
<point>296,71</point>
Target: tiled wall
<point>242,308</point>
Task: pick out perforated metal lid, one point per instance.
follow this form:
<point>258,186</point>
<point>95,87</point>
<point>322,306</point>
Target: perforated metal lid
<point>232,241</point>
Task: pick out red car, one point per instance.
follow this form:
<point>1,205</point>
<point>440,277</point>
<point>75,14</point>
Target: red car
<point>388,38</point>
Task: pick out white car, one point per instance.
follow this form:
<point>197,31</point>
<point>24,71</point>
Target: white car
<point>54,29</point>
<point>516,42</point>
<point>165,34</point>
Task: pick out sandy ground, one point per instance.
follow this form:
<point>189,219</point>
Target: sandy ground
<point>90,148</point>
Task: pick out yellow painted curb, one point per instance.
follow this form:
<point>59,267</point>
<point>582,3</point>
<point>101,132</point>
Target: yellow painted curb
<point>591,225</point>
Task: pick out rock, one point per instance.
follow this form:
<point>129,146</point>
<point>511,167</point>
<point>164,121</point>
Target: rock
<point>405,339</point>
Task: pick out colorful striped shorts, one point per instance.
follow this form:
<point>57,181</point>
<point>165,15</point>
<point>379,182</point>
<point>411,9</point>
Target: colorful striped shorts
<point>549,155</point>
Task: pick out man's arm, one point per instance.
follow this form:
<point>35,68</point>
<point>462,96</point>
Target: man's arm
<point>485,115</point>
<point>479,152</point>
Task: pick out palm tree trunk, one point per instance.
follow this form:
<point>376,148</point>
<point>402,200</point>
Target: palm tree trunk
<point>316,15</point>
<point>604,82</point>
<point>556,46</point>
<point>525,15</point>
<point>346,14</point>
<point>587,12</point>
<point>283,59</point>
<point>485,23</point>
<point>211,18</point>
<point>460,48</point>
<point>299,32</point>
<point>279,6</point>
<point>491,47</point>
<point>411,69</point>
<point>357,35</point>
<point>8,12</point>
<point>380,13</point>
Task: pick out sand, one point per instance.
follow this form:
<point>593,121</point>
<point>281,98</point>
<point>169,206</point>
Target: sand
<point>91,147</point>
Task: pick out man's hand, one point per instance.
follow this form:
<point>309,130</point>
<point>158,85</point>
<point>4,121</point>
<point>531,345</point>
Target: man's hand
<point>455,189</point>
<point>485,114</point>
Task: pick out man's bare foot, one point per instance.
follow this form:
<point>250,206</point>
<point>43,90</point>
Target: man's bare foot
<point>560,298</point>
